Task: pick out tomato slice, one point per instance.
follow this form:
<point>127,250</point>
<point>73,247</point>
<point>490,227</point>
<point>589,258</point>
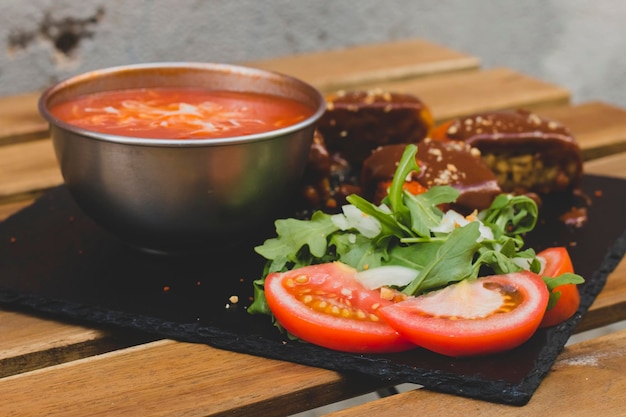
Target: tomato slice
<point>556,262</point>
<point>478,317</point>
<point>325,305</point>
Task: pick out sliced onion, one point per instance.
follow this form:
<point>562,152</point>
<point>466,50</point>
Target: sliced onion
<point>452,219</point>
<point>391,275</point>
<point>463,299</point>
<point>352,217</point>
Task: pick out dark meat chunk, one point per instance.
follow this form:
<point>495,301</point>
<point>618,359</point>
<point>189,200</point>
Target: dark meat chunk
<point>327,179</point>
<point>527,153</point>
<point>357,122</point>
<point>452,163</point>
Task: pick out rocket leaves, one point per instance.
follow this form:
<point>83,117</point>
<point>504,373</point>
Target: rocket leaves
<point>406,230</point>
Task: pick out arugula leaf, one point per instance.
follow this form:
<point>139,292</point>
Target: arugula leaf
<point>414,256</point>
<point>511,215</point>
<point>406,166</point>
<point>358,251</point>
<point>552,283</point>
<point>259,304</point>
<point>451,263</point>
<point>293,236</point>
<point>390,225</point>
<point>401,231</point>
<point>425,215</point>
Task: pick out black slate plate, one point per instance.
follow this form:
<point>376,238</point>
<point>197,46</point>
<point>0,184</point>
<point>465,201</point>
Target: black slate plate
<point>53,259</point>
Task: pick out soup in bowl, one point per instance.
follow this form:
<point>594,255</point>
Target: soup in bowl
<point>177,157</point>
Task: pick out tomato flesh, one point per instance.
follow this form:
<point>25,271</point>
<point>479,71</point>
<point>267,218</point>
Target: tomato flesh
<point>325,305</point>
<point>487,315</point>
<point>382,189</point>
<point>556,262</point>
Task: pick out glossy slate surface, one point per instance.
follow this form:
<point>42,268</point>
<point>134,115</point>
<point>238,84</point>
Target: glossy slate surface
<point>53,259</point>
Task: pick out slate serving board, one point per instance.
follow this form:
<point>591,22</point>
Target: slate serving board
<point>54,259</point>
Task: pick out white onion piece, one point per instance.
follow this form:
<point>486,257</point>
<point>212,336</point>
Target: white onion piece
<point>524,263</point>
<point>391,275</point>
<point>352,217</point>
<point>469,301</point>
<point>452,219</point>
<point>485,232</point>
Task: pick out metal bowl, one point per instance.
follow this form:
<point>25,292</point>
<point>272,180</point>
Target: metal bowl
<point>171,196</point>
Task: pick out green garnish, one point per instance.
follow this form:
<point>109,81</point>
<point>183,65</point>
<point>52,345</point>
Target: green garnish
<point>406,230</point>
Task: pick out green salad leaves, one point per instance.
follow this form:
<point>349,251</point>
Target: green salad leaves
<point>408,231</point>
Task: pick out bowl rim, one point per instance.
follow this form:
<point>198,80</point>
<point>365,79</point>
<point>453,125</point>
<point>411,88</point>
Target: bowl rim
<point>49,92</point>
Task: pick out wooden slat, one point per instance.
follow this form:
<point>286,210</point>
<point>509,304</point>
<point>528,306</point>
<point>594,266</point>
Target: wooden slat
<point>587,379</point>
<point>600,128</point>
<point>610,305</point>
<point>30,342</point>
<point>19,119</point>
<point>28,167</point>
<point>454,95</point>
<point>610,166</point>
<point>23,334</point>
<point>349,67</point>
<point>7,209</point>
<point>172,378</point>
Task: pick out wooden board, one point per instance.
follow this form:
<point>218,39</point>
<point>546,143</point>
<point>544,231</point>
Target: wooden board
<point>600,128</point>
<point>587,379</point>
<point>172,378</point>
<point>348,67</point>
<point>30,342</point>
<point>26,167</point>
<point>19,118</point>
<point>458,94</point>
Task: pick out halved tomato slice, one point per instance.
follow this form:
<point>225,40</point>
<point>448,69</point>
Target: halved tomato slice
<point>325,305</point>
<point>556,261</point>
<point>477,317</point>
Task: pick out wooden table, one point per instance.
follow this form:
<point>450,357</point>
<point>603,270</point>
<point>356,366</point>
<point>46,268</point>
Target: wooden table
<point>53,367</point>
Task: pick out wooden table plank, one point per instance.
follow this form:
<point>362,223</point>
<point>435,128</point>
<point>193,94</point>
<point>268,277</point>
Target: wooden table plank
<point>30,342</point>
<point>610,305</point>
<point>348,67</point>
<point>587,379</point>
<point>600,128</point>
<point>172,378</point>
<point>20,120</point>
<point>610,166</point>
<point>28,167</point>
<point>9,208</point>
<point>454,95</point>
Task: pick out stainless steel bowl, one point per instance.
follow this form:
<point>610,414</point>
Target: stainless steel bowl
<point>170,196</point>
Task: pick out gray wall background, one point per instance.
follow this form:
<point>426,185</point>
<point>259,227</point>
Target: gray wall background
<point>579,44</point>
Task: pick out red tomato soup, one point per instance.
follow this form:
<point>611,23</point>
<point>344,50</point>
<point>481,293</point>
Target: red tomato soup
<point>180,113</point>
